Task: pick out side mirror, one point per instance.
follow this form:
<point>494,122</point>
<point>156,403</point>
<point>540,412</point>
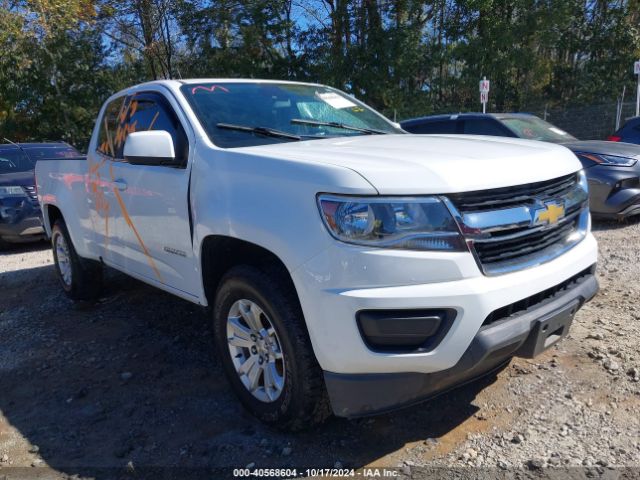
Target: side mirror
<point>153,147</point>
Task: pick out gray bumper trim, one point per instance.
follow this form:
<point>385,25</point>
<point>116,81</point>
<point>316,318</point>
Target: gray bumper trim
<point>356,395</point>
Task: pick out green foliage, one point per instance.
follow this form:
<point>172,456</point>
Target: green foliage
<point>62,58</point>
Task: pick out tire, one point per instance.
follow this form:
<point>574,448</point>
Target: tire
<point>81,278</point>
<point>302,400</point>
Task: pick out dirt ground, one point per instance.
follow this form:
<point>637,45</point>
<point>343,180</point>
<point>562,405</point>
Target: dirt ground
<point>131,385</point>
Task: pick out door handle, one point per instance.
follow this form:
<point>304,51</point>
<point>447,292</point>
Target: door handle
<point>120,185</point>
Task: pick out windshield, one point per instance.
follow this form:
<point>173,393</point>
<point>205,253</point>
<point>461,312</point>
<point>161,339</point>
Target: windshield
<point>298,110</point>
<point>14,161</point>
<point>534,128</point>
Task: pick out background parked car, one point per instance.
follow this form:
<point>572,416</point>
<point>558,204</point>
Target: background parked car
<point>629,132</point>
<point>612,167</point>
<point>20,216</point>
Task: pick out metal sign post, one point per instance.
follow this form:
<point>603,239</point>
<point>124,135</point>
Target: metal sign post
<point>484,93</point>
<point>636,70</point>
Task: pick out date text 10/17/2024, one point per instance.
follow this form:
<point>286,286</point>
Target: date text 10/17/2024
<point>365,473</point>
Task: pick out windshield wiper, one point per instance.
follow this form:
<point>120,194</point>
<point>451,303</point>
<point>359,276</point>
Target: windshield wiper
<point>266,131</point>
<point>344,126</point>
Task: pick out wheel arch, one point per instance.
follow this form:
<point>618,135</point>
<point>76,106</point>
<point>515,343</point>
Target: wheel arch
<point>219,253</point>
<point>51,213</point>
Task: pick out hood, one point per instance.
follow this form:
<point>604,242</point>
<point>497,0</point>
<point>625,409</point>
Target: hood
<point>602,147</point>
<point>422,164</point>
<point>21,179</point>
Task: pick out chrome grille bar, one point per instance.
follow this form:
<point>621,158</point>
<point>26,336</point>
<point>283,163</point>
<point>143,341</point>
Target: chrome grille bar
<point>512,228</point>
<point>499,198</point>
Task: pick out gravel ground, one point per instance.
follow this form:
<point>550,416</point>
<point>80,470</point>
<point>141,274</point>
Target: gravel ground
<point>132,383</point>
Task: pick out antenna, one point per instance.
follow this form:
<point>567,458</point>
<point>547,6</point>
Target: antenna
<point>14,143</point>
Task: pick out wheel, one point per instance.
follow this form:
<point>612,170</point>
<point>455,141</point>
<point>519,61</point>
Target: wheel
<point>265,349</point>
<point>81,278</point>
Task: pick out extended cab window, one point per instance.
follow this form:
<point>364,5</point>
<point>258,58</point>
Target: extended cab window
<point>135,113</point>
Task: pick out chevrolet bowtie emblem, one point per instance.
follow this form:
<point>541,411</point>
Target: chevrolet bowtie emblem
<point>550,213</point>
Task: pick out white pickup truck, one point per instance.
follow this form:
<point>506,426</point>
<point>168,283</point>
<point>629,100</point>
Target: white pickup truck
<point>348,266</point>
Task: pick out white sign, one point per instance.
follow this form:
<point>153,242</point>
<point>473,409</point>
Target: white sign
<point>636,68</point>
<point>484,86</point>
<point>335,100</point>
<point>484,97</point>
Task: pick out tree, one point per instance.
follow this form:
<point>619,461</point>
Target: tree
<point>146,28</point>
<point>61,58</point>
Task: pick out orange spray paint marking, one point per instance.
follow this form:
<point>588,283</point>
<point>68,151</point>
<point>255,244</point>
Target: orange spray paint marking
<point>155,117</point>
<point>127,218</point>
<point>106,129</point>
<point>122,113</point>
<point>123,131</point>
<point>95,167</point>
<point>100,202</point>
<point>134,107</point>
<point>102,206</point>
<point>124,110</point>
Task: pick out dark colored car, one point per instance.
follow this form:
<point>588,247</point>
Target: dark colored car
<point>612,168</point>
<point>20,216</point>
<point>629,132</point>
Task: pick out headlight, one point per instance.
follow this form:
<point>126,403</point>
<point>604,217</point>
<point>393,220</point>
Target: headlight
<point>411,223</point>
<point>12,192</point>
<point>612,160</point>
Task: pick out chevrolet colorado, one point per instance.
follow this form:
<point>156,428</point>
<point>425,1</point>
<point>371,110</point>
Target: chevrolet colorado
<point>347,265</point>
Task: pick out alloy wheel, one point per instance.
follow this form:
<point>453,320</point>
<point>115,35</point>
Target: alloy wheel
<point>255,350</point>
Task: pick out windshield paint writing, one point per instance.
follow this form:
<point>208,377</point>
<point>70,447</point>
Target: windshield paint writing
<point>210,89</point>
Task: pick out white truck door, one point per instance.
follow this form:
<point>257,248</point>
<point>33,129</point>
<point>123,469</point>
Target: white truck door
<point>153,200</point>
<point>103,208</point>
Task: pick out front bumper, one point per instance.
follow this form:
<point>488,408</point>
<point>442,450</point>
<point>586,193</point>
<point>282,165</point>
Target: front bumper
<point>614,192</point>
<point>20,220</point>
<point>525,334</point>
<point>344,280</point>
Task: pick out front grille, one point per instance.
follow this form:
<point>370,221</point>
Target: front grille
<point>537,300</point>
<point>503,229</point>
<point>507,197</point>
<point>32,194</point>
<point>500,251</point>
